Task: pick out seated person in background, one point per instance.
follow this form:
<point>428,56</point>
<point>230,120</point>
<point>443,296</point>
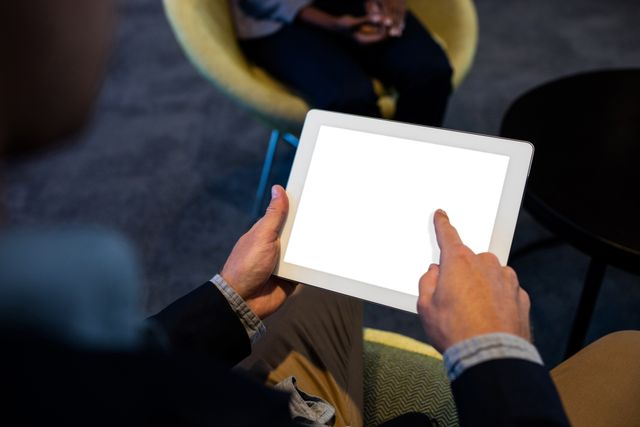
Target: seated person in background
<point>75,350</point>
<point>329,51</point>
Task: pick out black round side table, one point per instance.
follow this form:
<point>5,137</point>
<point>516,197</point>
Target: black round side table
<point>584,184</point>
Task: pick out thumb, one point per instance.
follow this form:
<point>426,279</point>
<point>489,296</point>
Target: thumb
<point>277,210</point>
<point>428,283</point>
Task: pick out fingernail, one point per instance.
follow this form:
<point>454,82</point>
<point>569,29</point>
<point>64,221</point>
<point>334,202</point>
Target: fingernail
<point>274,192</point>
<point>441,212</point>
<point>432,266</point>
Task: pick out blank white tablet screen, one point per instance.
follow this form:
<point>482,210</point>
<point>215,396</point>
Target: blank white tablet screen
<point>366,210</point>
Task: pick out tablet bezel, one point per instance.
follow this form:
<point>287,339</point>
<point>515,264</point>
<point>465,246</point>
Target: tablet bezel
<point>520,155</point>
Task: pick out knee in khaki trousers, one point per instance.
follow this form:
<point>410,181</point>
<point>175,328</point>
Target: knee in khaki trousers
<point>600,385</point>
<point>317,337</point>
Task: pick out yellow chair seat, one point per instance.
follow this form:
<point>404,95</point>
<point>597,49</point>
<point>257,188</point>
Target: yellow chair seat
<point>205,30</point>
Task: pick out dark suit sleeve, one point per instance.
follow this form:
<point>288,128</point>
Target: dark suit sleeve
<point>508,392</point>
<point>203,322</point>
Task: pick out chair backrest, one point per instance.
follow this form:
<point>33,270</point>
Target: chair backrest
<point>204,28</point>
<point>455,24</point>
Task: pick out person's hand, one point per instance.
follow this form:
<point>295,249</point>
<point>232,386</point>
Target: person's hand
<point>349,23</point>
<point>252,260</point>
<point>370,34</point>
<point>361,29</point>
<point>468,294</point>
<point>388,13</point>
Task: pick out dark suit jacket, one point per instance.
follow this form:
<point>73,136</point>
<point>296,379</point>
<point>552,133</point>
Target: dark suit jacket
<point>191,383</point>
<point>48,383</point>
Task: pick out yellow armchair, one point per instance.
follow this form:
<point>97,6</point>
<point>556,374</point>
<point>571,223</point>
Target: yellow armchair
<point>205,30</point>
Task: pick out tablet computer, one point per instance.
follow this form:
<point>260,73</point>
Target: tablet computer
<point>362,194</point>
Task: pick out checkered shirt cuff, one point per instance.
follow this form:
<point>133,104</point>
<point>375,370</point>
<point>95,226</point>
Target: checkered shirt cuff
<point>483,348</point>
<point>251,322</point>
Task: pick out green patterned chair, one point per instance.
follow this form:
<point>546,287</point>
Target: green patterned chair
<point>404,375</point>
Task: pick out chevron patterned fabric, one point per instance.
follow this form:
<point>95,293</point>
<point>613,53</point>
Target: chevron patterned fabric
<point>397,381</point>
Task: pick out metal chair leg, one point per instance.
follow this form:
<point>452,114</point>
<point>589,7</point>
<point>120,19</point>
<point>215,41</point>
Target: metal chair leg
<point>535,246</point>
<point>588,299</point>
<point>291,139</point>
<point>266,171</point>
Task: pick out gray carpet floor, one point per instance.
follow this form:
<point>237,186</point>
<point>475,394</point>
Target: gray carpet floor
<point>171,163</point>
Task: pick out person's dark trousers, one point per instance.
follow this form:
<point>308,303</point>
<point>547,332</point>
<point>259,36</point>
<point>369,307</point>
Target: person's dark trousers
<point>333,72</point>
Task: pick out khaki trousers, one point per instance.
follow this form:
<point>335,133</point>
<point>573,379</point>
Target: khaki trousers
<point>600,385</point>
<point>316,336</point>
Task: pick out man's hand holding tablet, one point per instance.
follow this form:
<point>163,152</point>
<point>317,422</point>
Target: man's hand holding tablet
<point>253,258</point>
